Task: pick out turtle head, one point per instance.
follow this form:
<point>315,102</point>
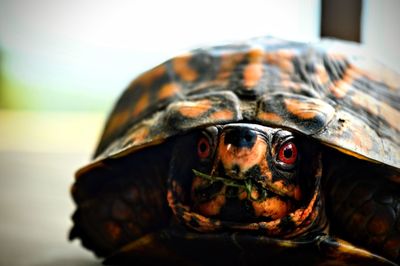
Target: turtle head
<point>255,171</point>
<point>245,176</point>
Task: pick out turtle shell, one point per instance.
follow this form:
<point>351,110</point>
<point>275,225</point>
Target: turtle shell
<point>339,99</point>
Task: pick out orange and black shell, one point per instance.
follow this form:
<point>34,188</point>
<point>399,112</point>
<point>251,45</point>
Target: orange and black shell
<point>339,99</point>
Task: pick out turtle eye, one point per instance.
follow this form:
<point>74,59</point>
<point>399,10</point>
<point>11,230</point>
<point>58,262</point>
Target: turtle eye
<point>203,148</point>
<point>288,153</point>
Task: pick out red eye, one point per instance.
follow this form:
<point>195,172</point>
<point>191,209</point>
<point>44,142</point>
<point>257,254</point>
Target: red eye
<point>288,153</point>
<point>203,148</point>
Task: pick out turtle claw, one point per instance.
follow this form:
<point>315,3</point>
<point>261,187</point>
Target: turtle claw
<point>345,253</point>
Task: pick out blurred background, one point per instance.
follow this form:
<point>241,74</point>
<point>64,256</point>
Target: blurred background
<point>79,55</point>
<point>64,63</point>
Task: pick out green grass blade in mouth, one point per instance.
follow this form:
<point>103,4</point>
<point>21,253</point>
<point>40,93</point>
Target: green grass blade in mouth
<point>226,181</point>
<point>246,185</point>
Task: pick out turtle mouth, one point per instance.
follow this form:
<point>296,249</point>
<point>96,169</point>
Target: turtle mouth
<point>221,202</point>
<point>230,198</point>
<point>253,190</point>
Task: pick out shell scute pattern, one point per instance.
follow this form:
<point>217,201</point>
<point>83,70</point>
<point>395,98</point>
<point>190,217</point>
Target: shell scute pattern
<point>307,115</point>
<point>149,92</point>
<point>321,93</point>
<point>201,110</point>
<point>179,116</point>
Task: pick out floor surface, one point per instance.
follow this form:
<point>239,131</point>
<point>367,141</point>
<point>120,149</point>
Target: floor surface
<point>35,177</point>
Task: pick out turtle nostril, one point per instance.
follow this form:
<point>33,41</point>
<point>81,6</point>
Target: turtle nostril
<point>248,137</point>
<point>240,137</point>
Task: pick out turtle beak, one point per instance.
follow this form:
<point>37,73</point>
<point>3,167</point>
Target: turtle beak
<point>240,149</point>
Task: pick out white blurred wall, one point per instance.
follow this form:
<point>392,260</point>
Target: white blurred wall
<point>74,54</point>
<point>380,30</point>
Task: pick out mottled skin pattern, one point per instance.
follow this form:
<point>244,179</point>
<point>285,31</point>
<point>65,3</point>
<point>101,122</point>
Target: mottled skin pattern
<point>266,150</point>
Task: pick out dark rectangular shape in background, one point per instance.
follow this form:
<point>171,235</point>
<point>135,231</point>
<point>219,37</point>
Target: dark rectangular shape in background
<point>341,19</point>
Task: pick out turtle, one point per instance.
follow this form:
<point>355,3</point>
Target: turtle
<point>260,151</point>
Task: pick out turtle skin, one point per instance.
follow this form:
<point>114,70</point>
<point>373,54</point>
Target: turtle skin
<point>261,151</point>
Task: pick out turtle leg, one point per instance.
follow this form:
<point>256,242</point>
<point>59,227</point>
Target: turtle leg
<point>119,214</point>
<point>150,249</point>
<point>119,201</point>
<point>157,249</point>
<point>340,252</point>
<point>363,206</point>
